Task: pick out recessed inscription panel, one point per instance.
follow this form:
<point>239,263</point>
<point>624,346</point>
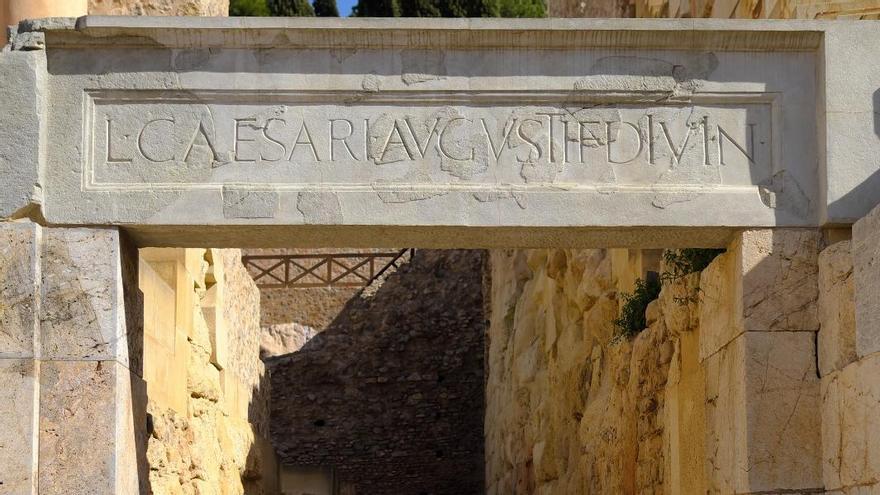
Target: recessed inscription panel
<point>336,141</point>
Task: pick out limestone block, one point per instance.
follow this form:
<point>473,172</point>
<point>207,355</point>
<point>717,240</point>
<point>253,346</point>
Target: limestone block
<point>762,417</point>
<point>435,194</point>
<point>19,258</point>
<point>720,304</point>
<point>779,279</point>
<point>21,141</point>
<point>866,267</point>
<point>19,397</point>
<point>166,351</point>
<point>851,425</point>
<point>836,340</point>
<point>82,312</point>
<point>766,281</point>
<point>89,414</point>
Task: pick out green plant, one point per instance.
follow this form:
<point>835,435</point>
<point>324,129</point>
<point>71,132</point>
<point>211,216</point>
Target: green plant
<point>290,8</point>
<point>523,8</point>
<point>681,262</point>
<point>632,314</point>
<point>325,8</point>
<point>248,8</point>
<point>450,8</point>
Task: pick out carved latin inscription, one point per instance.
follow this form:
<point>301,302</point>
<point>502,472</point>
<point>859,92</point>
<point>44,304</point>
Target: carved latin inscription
<point>180,143</point>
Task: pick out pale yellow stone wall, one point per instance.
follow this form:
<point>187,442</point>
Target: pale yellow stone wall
<point>849,360</point>
<point>719,394</point>
<point>572,409</point>
<point>206,386</point>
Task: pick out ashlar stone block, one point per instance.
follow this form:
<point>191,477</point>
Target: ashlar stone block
<point>766,281</point>
<point>866,267</point>
<point>22,145</point>
<point>82,312</point>
<point>19,258</point>
<point>851,426</point>
<point>762,415</point>
<point>90,412</point>
<point>19,396</point>
<point>837,331</point>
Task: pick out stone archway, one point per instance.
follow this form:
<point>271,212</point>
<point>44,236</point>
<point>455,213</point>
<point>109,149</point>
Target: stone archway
<point>470,133</point>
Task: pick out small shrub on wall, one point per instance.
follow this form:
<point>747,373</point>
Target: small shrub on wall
<point>632,314</point>
<point>679,263</point>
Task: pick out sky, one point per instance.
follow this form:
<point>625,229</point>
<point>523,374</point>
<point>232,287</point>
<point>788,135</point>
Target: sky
<point>345,6</point>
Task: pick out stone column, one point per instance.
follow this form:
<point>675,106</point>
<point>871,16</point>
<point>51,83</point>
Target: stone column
<point>70,349</point>
<point>758,325</point>
<point>16,10</point>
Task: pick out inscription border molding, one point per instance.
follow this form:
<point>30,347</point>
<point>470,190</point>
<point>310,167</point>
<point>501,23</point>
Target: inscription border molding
<point>92,98</point>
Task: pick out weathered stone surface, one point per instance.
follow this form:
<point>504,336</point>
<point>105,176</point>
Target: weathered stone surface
<point>159,7</point>
<point>851,134</point>
<point>851,427</point>
<point>571,408</point>
<point>19,398</point>
<point>208,406</point>
<point>766,281</point>
<point>866,266</point>
<point>88,421</point>
<point>284,338</point>
<point>508,150</point>
<point>762,416</point>
<point>19,278</point>
<point>22,144</point>
<point>82,311</point>
<point>778,269</point>
<point>836,308</point>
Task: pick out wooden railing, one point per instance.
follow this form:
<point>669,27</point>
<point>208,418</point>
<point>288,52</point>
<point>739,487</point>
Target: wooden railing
<point>278,271</point>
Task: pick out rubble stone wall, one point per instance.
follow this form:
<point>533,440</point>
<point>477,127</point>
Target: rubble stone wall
<point>390,395</point>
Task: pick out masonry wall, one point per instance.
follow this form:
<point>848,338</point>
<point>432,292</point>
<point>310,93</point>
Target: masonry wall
<point>719,9</point>
<point>719,394</point>
<point>571,409</point>
<point>390,395</point>
<point>849,360</point>
<point>206,386</point>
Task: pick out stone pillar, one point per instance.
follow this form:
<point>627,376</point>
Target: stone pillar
<point>19,369</point>
<point>70,349</point>
<point>757,345</point>
<point>849,355</point>
<point>13,11</point>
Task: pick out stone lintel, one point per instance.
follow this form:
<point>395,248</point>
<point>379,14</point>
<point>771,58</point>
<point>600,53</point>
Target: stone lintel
<point>22,137</point>
<point>713,34</point>
<point>162,124</point>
